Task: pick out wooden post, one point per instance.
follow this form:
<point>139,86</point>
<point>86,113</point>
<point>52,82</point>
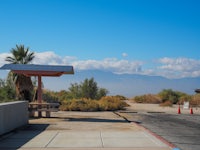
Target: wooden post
<point>39,96</point>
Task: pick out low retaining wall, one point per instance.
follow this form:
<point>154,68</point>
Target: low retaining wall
<point>13,115</point>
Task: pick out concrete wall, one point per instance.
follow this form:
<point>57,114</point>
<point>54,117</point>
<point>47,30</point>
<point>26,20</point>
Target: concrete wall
<point>13,115</point>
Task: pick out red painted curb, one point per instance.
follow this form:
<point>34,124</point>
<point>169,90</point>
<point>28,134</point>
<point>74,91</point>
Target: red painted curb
<point>157,136</point>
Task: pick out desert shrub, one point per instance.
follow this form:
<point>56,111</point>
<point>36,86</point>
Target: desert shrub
<point>110,103</point>
<point>166,103</point>
<point>79,105</point>
<point>121,97</point>
<point>49,97</point>
<point>148,98</point>
<point>184,98</point>
<point>195,100</point>
<point>169,95</point>
<point>7,94</point>
<point>139,99</point>
<point>65,105</point>
<point>92,105</point>
<point>87,89</point>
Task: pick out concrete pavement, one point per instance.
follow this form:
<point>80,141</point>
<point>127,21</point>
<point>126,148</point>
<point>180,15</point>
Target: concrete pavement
<point>80,131</point>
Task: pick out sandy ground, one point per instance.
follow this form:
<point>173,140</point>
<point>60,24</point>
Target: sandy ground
<point>155,108</point>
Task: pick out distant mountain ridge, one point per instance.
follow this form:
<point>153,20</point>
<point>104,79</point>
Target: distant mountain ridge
<point>132,84</point>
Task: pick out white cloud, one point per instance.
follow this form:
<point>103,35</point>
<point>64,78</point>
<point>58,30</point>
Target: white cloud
<point>124,54</point>
<point>3,57</point>
<point>180,67</point>
<point>179,64</point>
<point>50,58</point>
<point>166,67</point>
<point>110,64</point>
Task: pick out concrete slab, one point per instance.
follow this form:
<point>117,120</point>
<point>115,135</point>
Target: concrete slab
<point>82,130</point>
<point>136,142</point>
<point>130,139</point>
<point>42,139</point>
<point>40,143</point>
<point>78,134</point>
<point>77,142</point>
<point>122,134</point>
<point>77,139</point>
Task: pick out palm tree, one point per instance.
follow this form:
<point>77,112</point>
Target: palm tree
<point>23,84</point>
<point>20,55</point>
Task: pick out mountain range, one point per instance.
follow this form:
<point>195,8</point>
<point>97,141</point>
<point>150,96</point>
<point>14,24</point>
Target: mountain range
<point>128,85</point>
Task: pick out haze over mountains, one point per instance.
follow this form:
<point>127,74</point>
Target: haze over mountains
<point>121,76</point>
<point>125,84</point>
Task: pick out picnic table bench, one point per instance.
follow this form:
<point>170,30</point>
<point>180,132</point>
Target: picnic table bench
<point>42,109</point>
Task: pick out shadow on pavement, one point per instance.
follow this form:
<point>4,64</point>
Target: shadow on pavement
<point>96,120</point>
<point>21,136</point>
<point>36,127</point>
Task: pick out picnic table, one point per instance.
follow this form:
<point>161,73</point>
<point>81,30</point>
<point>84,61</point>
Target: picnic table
<point>42,109</point>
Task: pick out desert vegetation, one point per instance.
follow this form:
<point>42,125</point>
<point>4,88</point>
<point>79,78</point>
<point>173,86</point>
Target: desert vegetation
<point>86,96</point>
<point>168,97</point>
<point>106,103</point>
<point>7,93</point>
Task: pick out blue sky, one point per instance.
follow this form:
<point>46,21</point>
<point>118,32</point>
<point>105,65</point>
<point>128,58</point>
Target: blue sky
<point>151,37</point>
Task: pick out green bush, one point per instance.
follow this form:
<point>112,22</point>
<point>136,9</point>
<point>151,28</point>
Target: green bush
<point>169,95</point>
<point>87,89</point>
<point>7,94</point>
<point>49,97</point>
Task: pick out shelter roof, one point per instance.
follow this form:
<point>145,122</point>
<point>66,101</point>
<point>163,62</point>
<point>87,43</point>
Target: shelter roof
<point>197,90</point>
<point>36,70</point>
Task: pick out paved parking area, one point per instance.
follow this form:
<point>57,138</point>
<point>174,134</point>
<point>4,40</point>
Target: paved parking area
<point>182,130</point>
<point>82,130</point>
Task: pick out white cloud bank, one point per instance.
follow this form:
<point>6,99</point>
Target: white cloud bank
<point>166,67</point>
<point>180,67</point>
<point>110,64</point>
